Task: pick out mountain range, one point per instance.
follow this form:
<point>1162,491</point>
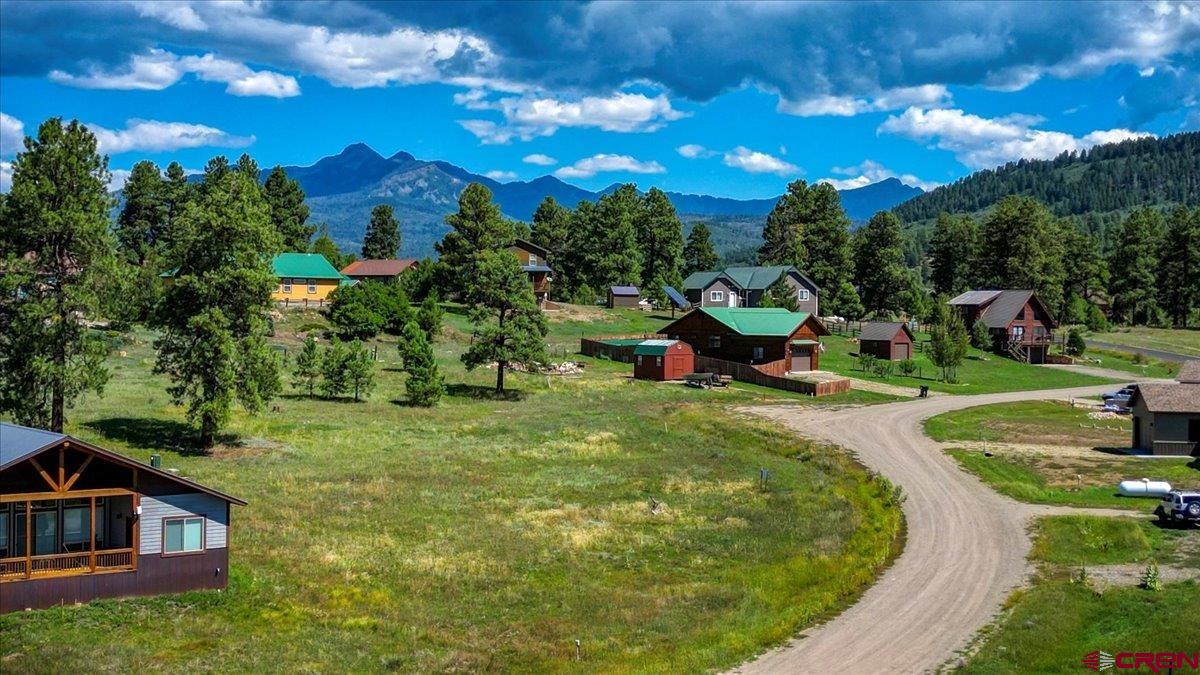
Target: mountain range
<point>342,189</point>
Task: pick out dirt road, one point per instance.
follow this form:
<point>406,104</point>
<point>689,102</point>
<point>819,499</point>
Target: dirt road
<point>966,547</point>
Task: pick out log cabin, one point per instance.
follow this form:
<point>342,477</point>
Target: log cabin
<point>774,341</point>
<point>78,522</point>
<point>1019,323</point>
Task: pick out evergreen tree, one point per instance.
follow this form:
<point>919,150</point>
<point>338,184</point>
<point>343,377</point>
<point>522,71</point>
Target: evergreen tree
<point>56,246</point>
<point>248,168</point>
<point>952,254</point>
<point>1084,271</point>
<point>359,370</point>
<point>143,220</point>
<point>424,385</point>
<point>382,240</point>
<point>1179,269</point>
<point>552,231</point>
<point>176,193</point>
<point>879,264</point>
<point>475,229</point>
<point>783,234</point>
<point>325,245</point>
<point>334,373</point>
<point>699,254</point>
<point>780,294</point>
<point>212,317</point>
<point>429,317</point>
<point>509,327</point>
<point>1134,261</point>
<point>1020,247</point>
<point>617,258</point>
<point>308,367</point>
<point>289,213</point>
<point>831,253</point>
<point>948,341</point>
<point>660,238</point>
<point>214,170</point>
<point>981,337</point>
<point>914,297</point>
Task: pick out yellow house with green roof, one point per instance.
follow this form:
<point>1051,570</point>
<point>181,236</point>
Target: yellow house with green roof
<point>305,278</point>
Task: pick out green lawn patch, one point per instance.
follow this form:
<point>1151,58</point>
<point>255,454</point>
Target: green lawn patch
<point>1134,364</point>
<point>1039,422</point>
<point>981,373</point>
<point>1095,540</point>
<point>1179,341</point>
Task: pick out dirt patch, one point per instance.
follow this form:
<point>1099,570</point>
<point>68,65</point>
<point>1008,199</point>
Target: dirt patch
<point>247,447</point>
<point>1102,577</point>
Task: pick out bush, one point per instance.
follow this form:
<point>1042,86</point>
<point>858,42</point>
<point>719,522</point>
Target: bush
<point>866,362</point>
<point>1095,320</point>
<point>361,311</point>
<point>1150,578</point>
<point>907,367</point>
<point>981,337</point>
<point>884,368</point>
<point>1075,345</point>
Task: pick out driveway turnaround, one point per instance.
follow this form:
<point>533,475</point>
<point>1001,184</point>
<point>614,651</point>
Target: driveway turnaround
<point>965,551</point>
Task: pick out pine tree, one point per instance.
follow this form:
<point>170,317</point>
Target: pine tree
<point>56,245</point>
<point>879,264</point>
<point>1020,247</point>
<point>308,366</point>
<point>952,253</point>
<point>429,317</point>
<point>176,193</point>
<point>552,231</point>
<point>660,238</point>
<point>783,234</point>
<point>359,370</point>
<point>289,213</point>
<point>382,240</point>
<point>826,235</point>
<point>617,257</point>
<point>509,327</point>
<point>699,254</point>
<point>1084,270</point>
<point>334,380</point>
<point>143,220</point>
<point>325,245</point>
<point>780,294</point>
<point>1179,266</point>
<point>476,228</point>
<point>212,317</point>
<point>948,341</point>
<point>424,385</point>
<point>1134,260</point>
<point>248,168</point>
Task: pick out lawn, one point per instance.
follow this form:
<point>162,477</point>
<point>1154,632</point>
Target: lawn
<point>1099,540</point>
<point>486,533</point>
<point>1072,479</point>
<point>568,323</point>
<point>981,373</point>
<point>1179,341</point>
<point>1134,364</point>
<point>1034,422</point>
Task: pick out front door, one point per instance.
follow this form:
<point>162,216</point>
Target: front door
<point>801,359</point>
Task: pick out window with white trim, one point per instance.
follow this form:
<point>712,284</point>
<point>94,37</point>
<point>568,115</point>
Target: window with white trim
<point>312,286</point>
<point>287,285</point>
<point>802,294</point>
<point>183,535</point>
<point>716,296</point>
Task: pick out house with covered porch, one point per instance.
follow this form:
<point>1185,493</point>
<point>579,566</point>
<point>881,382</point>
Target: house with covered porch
<point>78,522</point>
<point>1018,322</point>
<point>773,340</point>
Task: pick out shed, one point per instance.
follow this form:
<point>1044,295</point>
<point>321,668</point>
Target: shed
<point>663,360</point>
<point>1166,418</point>
<point>887,340</point>
<point>623,296</point>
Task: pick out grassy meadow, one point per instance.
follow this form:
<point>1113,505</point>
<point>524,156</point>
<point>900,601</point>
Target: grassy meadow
<point>1034,422</point>
<point>485,533</point>
<point>1179,341</point>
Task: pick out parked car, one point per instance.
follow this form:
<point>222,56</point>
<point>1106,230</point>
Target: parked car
<point>1125,393</point>
<point>1179,505</point>
<point>1114,406</point>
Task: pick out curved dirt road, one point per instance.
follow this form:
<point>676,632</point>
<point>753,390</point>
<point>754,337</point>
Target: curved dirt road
<point>966,545</point>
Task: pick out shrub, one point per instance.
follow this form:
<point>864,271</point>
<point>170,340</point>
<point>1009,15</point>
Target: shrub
<point>907,367</point>
<point>1075,345</point>
<point>981,337</point>
<point>884,368</point>
<point>1095,320</point>
<point>1150,578</point>
<point>361,311</point>
<point>866,362</point>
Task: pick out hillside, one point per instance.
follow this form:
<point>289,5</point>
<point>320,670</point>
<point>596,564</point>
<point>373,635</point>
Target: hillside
<point>1104,181</point>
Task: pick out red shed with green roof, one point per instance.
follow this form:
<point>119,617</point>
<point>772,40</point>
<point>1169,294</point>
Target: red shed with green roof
<point>663,360</point>
<point>773,340</point>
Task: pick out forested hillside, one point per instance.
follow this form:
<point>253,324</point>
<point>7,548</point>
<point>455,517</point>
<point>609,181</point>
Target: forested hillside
<point>1108,178</point>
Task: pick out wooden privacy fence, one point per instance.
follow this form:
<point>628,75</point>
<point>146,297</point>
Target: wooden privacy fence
<point>743,372</point>
<point>618,352</point>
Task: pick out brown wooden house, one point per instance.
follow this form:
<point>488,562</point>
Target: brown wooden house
<point>1166,415</point>
<point>890,341</point>
<point>386,271</point>
<point>624,296</point>
<point>534,261</point>
<point>78,522</point>
<point>1019,323</point>
<point>663,360</point>
<point>773,340</point>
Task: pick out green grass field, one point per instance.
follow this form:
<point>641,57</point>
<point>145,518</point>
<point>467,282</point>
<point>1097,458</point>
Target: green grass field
<point>485,533</point>
<point>1134,364</point>
<point>1097,540</point>
<point>980,374</point>
<point>1036,422</point>
<point>1186,341</point>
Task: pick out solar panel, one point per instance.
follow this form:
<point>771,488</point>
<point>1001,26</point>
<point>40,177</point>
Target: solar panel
<point>676,297</point>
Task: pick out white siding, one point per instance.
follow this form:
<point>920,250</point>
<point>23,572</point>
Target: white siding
<point>154,509</point>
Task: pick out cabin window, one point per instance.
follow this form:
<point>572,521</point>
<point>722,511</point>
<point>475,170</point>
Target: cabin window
<point>532,259</point>
<point>312,286</point>
<point>758,353</point>
<point>639,360</point>
<point>658,360</point>
<point>802,294</point>
<point>287,285</point>
<point>717,296</point>
<point>183,535</point>
<point>714,341</point>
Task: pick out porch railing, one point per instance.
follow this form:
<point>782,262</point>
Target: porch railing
<point>64,564</point>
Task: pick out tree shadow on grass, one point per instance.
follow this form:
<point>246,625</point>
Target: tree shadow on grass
<point>155,434</point>
<point>486,393</point>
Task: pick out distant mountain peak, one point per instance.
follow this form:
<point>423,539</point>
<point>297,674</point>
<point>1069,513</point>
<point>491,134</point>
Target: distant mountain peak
<point>359,148</point>
<point>401,156</point>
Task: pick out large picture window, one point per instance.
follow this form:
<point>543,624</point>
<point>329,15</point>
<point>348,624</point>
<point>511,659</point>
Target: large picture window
<point>183,535</point>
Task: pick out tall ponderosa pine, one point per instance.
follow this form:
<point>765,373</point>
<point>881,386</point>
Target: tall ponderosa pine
<point>143,220</point>
<point>248,168</point>
<point>289,213</point>
<point>382,240</point>
<point>1179,269</point>
<point>660,238</point>
<point>213,316</point>
<point>476,228</point>
<point>699,254</point>
<point>1084,273</point>
<point>830,253</point>
<point>1020,247</point>
<point>552,231</point>
<point>325,245</point>
<point>1134,260</point>
<point>424,385</point>
<point>55,244</point>
<point>879,264</point>
<point>952,254</point>
<point>509,327</point>
<point>176,192</point>
<point>783,234</point>
<point>618,260</point>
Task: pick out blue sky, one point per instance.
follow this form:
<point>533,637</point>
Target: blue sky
<point>726,99</point>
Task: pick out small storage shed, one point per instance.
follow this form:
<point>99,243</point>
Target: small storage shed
<point>663,360</point>
<point>887,340</point>
<point>623,296</point>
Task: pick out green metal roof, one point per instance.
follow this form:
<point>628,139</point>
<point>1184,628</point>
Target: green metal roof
<point>771,321</point>
<point>304,266</point>
<point>653,347</point>
<point>623,342</point>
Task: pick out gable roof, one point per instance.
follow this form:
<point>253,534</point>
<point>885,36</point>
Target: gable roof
<point>18,443</point>
<point>971,298</point>
<point>378,268</point>
<point>653,347</point>
<point>304,265</point>
<point>624,290</point>
<point>762,321</point>
<point>883,330</point>
<point>1001,307</point>
<point>1169,397</point>
<point>530,246</point>
<point>745,278</point>
<point>1189,372</point>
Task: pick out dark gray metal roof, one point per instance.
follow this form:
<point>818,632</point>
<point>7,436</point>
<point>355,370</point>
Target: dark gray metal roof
<point>624,290</point>
<point>1005,308</point>
<point>974,297</point>
<point>881,330</point>
<point>17,442</point>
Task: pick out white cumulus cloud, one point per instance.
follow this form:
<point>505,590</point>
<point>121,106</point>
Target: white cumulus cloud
<point>159,69</point>
<point>605,163</point>
<point>539,159</point>
<point>155,136</point>
<point>694,151</point>
<point>6,172</point>
<point>526,117</point>
<point>982,142</point>
<point>848,106</point>
<point>753,161</point>
<point>870,171</point>
<point>12,135</point>
<point>171,12</point>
